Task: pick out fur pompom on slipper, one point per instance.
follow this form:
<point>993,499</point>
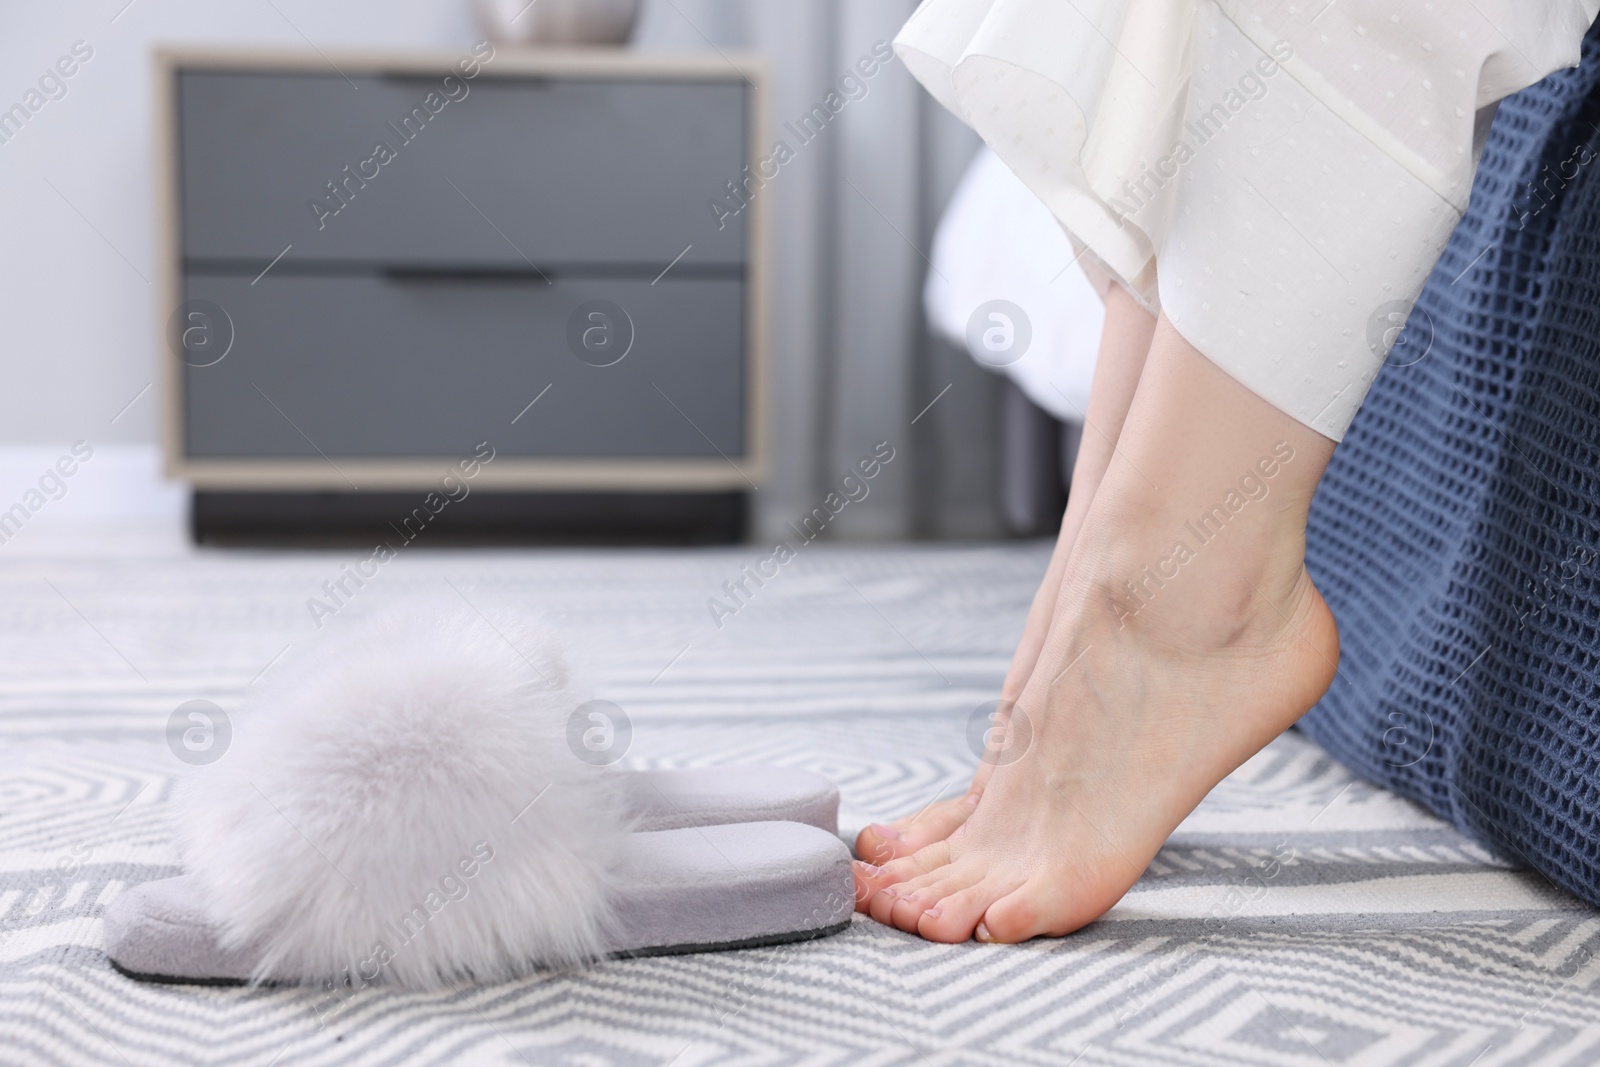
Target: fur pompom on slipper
<point>400,801</point>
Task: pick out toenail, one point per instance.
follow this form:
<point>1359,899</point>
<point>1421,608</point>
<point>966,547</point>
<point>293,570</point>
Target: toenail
<point>933,912</point>
<point>888,891</point>
<point>982,933</point>
<point>888,833</point>
<point>972,798</point>
<point>871,868</point>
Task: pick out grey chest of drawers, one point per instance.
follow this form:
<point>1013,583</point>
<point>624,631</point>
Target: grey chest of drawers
<point>375,265</point>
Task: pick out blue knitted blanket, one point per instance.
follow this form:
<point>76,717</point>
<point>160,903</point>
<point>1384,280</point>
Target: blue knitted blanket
<point>1456,535</point>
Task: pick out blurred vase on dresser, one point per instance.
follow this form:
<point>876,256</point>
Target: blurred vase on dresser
<point>559,22</point>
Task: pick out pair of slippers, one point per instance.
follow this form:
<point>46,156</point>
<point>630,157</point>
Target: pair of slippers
<point>415,805</point>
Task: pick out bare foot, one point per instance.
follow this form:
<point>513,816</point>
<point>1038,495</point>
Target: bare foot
<point>1162,673</point>
<point>1144,721</point>
<point>1125,343</point>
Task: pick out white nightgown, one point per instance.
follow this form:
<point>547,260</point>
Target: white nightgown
<point>1278,177</point>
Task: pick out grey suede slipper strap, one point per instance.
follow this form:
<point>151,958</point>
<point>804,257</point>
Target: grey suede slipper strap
<point>707,796</point>
<point>696,889</point>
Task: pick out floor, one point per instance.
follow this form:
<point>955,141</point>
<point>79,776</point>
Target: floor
<point>1298,917</point>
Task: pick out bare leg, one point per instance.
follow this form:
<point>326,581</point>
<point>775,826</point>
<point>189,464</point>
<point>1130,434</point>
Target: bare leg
<point>1185,637</point>
<point>1123,346</point>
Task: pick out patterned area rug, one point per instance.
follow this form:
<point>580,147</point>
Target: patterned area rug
<point>1298,917</point>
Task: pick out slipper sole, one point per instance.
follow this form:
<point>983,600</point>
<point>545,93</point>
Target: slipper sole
<point>695,889</point>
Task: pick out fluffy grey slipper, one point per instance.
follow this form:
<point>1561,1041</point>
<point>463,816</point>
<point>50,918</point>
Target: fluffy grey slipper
<point>675,891</point>
<point>707,796</point>
<point>407,809</point>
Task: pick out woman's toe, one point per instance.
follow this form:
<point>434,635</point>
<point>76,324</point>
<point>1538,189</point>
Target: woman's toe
<point>876,889</point>
<point>916,898</point>
<point>869,879</point>
<point>906,868</point>
<point>907,909</point>
<point>953,919</point>
<point>881,905</point>
<point>879,843</point>
<point>1031,910</point>
<point>902,895</point>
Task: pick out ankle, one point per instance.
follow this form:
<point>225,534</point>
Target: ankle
<point>1164,577</point>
